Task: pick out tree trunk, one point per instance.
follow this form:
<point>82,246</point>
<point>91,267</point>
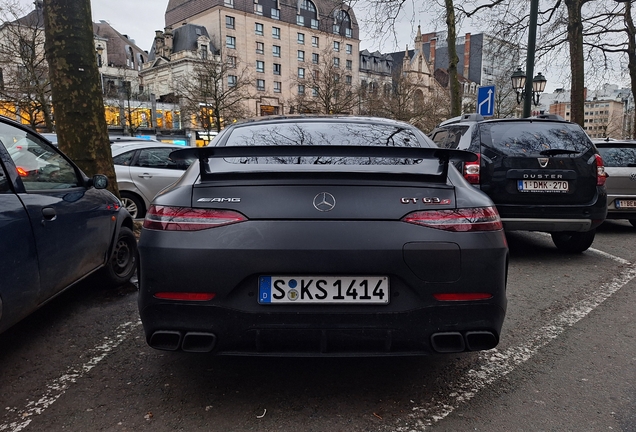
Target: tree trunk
<point>77,98</point>
<point>631,55</point>
<point>453,60</point>
<point>577,62</point>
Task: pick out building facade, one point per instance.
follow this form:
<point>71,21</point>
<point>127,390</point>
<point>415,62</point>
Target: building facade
<point>283,43</point>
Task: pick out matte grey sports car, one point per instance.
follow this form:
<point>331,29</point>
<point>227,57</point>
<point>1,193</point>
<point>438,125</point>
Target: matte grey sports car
<point>322,236</point>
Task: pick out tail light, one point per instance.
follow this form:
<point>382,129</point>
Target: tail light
<point>601,175</point>
<point>22,172</point>
<point>472,170</point>
<point>166,218</point>
<point>462,296</point>
<point>458,220</point>
<point>185,296</point>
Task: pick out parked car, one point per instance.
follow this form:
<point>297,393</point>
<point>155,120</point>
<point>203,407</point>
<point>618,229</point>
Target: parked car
<point>325,236</point>
<point>544,174</point>
<point>620,163</point>
<point>57,226</point>
<point>144,168</point>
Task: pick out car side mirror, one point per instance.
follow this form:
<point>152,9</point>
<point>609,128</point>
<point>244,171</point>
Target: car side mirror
<point>99,181</point>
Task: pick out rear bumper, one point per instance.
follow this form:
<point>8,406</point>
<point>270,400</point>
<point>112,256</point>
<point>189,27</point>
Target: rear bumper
<point>229,260</point>
<point>230,332</point>
<point>554,218</point>
<point>618,213</point>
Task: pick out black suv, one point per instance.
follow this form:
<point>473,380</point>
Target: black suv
<point>543,173</point>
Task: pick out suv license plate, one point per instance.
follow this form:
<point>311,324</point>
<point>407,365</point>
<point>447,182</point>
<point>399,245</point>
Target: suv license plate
<point>625,203</point>
<point>323,289</point>
<point>542,185</point>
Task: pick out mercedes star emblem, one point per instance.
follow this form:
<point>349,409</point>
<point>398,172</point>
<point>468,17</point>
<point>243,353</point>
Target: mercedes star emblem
<point>324,202</point>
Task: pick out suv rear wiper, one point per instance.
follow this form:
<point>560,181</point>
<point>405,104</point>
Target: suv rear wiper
<point>554,152</point>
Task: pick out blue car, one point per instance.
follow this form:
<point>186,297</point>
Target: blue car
<point>57,226</point>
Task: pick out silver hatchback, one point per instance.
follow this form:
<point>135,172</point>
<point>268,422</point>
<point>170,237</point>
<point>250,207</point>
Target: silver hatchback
<point>620,163</point>
<point>143,168</point>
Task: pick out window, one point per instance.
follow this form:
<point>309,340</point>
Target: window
<point>301,89</point>
<point>349,48</point>
<point>124,158</point>
<point>229,3</point>
<point>314,91</point>
<point>307,5</point>
<point>301,72</point>
<point>348,32</point>
<point>316,75</point>
<point>260,47</point>
<point>336,29</point>
<point>314,24</point>
<point>276,50</point>
<point>349,64</point>
<point>301,38</point>
<point>348,79</point>
<point>336,46</point>
<point>277,68</point>
<point>301,55</point>
<point>229,22</point>
<point>260,84</point>
<point>204,52</point>
<point>41,167</point>
<point>230,42</point>
<point>277,86</point>
<point>258,9</point>
<point>336,62</point>
<point>315,41</point>
<point>275,32</point>
<point>231,61</point>
<point>260,66</point>
<point>275,14</point>
<point>258,29</point>
<point>315,58</point>
<point>231,80</point>
<point>300,20</point>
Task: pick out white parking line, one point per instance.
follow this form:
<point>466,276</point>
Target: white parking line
<point>58,386</point>
<point>496,364</point>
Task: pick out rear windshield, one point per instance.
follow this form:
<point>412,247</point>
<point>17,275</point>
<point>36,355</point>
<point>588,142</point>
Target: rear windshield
<point>525,138</point>
<point>618,156</point>
<point>324,133</point>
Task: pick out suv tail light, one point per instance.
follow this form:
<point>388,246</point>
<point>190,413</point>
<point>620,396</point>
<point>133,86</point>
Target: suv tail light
<point>458,220</point>
<point>166,218</point>
<point>472,169</point>
<point>601,175</point>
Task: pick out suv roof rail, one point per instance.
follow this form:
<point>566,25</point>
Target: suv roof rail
<point>471,117</point>
<point>549,117</point>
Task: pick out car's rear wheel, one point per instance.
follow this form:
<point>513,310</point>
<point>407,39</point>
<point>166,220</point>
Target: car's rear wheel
<point>123,261</point>
<point>573,242</point>
<point>633,222</point>
<point>133,204</point>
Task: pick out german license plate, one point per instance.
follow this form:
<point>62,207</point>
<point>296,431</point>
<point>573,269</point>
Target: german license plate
<point>323,289</point>
<point>625,203</point>
<point>542,185</point>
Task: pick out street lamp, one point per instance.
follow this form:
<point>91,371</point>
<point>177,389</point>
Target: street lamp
<point>518,79</point>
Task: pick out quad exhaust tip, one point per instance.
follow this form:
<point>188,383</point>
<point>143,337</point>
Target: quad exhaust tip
<point>170,340</point>
<point>455,342</point>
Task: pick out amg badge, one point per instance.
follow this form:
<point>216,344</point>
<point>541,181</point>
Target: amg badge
<point>219,200</point>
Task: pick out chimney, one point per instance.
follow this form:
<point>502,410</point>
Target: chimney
<point>432,54</point>
<point>467,56</point>
<point>168,40</point>
<point>159,42</point>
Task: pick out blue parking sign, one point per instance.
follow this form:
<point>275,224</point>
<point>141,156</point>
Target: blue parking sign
<point>486,101</point>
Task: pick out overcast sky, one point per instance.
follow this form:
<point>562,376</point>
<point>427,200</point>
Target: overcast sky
<point>136,18</point>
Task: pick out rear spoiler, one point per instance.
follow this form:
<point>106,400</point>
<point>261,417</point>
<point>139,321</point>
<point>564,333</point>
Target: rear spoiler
<point>204,153</point>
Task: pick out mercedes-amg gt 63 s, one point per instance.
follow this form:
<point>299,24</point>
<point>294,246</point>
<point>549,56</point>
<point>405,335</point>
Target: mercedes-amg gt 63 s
<point>322,236</point>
